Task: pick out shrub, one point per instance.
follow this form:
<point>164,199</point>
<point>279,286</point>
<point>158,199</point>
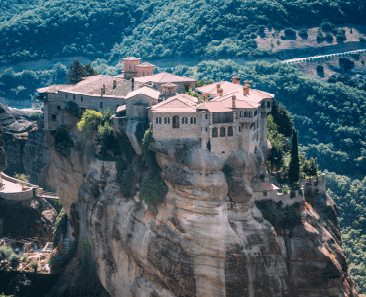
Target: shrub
<point>280,218</point>
<point>320,68</point>
<point>19,284</point>
<point>73,109</point>
<point>327,26</point>
<point>290,33</point>
<point>34,116</point>
<point>340,35</point>
<point>253,36</point>
<point>329,36</point>
<point>14,262</point>
<point>6,253</point>
<point>153,189</point>
<point>320,37</point>
<point>34,265</point>
<point>261,29</point>
<point>60,227</point>
<point>347,63</point>
<point>303,33</point>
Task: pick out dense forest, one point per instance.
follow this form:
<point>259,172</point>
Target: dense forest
<point>350,196</point>
<point>155,28</point>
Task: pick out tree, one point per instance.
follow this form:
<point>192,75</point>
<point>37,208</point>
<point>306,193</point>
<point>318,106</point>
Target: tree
<point>90,71</point>
<point>282,118</point>
<point>294,168</point>
<point>76,72</point>
<point>277,141</point>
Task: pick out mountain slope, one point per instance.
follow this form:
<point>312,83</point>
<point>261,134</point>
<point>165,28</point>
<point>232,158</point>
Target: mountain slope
<point>155,28</point>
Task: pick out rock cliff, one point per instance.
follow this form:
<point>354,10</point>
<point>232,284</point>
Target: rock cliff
<point>207,238</point>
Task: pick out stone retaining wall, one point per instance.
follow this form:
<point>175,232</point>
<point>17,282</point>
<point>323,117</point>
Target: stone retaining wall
<point>18,196</point>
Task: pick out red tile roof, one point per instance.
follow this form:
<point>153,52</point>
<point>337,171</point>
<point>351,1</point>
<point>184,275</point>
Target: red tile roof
<point>265,187</point>
<point>121,108</point>
<point>226,86</point>
<point>164,77</point>
<point>212,106</point>
<point>144,91</point>
<point>145,64</point>
<point>178,103</point>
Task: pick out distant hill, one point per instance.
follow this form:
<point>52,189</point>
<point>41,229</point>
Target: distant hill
<point>109,29</point>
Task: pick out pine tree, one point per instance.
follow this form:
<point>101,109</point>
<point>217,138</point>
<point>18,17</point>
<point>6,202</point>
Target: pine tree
<point>282,118</point>
<point>90,71</point>
<point>76,72</point>
<point>294,168</point>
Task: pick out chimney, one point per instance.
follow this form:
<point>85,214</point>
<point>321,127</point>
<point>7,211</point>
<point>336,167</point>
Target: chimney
<point>114,84</point>
<point>103,89</point>
<point>132,84</point>
<point>234,79</point>
<point>220,91</point>
<point>238,80</point>
<point>246,88</point>
<point>233,98</point>
<point>218,88</point>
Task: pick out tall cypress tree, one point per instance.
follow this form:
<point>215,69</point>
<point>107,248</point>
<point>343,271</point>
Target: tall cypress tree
<point>294,168</point>
<point>76,72</point>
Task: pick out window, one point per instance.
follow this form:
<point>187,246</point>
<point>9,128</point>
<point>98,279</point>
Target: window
<point>81,98</point>
<point>255,113</point>
<point>166,120</point>
<point>222,132</point>
<point>184,120</point>
<point>245,114</point>
<point>66,95</point>
<point>263,104</point>
<point>175,121</point>
<point>58,107</point>
<point>239,129</point>
<point>241,114</point>
<point>186,87</point>
<point>54,117</point>
<point>73,96</point>
<point>101,104</point>
<point>250,114</point>
<point>206,129</point>
<point>214,132</point>
<point>230,131</point>
<point>206,116</point>
<point>268,104</point>
<point>193,120</point>
<point>157,120</point>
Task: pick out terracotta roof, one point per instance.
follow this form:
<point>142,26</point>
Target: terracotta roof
<point>212,106</point>
<point>178,103</point>
<point>226,86</point>
<point>265,187</point>
<point>121,108</point>
<point>91,85</point>
<point>145,64</point>
<point>164,77</point>
<point>144,91</point>
<point>131,59</point>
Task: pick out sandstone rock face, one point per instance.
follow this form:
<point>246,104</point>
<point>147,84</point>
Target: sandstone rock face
<point>204,239</point>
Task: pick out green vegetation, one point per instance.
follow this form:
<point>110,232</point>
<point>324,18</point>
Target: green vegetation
<point>77,71</point>
<point>22,177</point>
<point>58,263</point>
<point>60,227</point>
<point>6,256</point>
<point>294,167</point>
<point>59,28</point>
<point>320,69</point>
<point>99,123</point>
<point>153,189</point>
<point>34,265</point>
<point>280,218</point>
<point>228,170</point>
<point>350,196</point>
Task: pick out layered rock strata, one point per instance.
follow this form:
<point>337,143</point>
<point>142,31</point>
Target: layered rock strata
<point>204,239</point>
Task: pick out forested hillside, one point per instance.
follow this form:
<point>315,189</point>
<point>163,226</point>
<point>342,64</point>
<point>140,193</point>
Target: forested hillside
<point>154,28</point>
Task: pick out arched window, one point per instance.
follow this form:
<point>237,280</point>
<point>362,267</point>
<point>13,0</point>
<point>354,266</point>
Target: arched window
<point>157,120</point>
<point>81,98</point>
<point>250,114</point>
<point>167,120</point>
<point>101,104</point>
<point>263,104</point>
<point>214,132</point>
<point>268,104</point>
<point>230,131</point>
<point>241,114</point>
<point>245,114</point>
<point>222,132</point>
<point>175,121</point>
